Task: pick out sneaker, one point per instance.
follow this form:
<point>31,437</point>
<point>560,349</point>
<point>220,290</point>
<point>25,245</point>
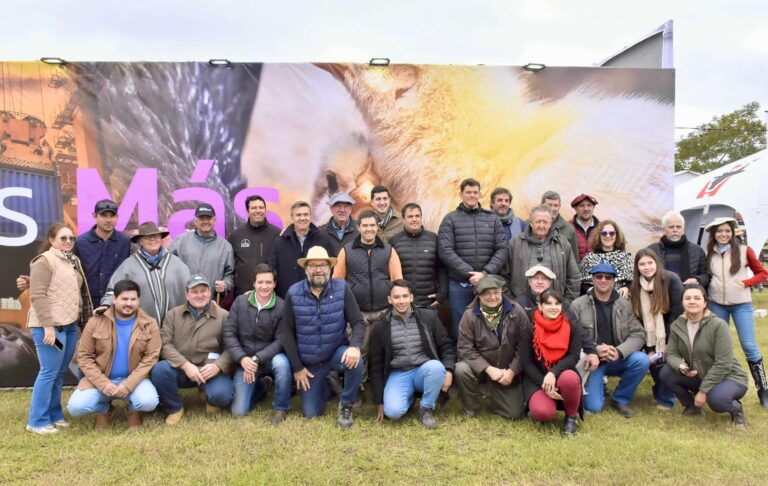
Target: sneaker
<point>692,411</point>
<point>102,419</point>
<point>663,408</point>
<point>469,413</point>
<point>621,408</point>
<point>61,424</point>
<point>570,426</point>
<point>278,417</point>
<point>345,416</point>
<point>428,419</point>
<point>174,418</point>
<point>46,430</point>
<point>738,419</point>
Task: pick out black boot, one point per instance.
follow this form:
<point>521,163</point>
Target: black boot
<point>737,417</point>
<point>761,381</point>
<point>570,426</point>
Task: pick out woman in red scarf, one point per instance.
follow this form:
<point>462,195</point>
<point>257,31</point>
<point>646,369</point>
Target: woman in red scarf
<point>549,352</point>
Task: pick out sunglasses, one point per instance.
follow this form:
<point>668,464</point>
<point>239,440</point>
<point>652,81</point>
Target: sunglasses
<point>607,233</point>
<point>317,266</point>
<point>66,238</point>
<point>603,276</point>
<point>540,253</point>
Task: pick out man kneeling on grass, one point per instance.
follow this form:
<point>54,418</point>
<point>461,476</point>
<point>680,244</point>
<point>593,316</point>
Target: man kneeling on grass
<point>410,352</point>
<point>313,333</point>
<point>489,333</point>
<point>193,353</point>
<point>251,338</point>
<point>117,350</point>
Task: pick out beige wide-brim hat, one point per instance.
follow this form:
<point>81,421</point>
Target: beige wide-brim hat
<point>718,221</point>
<point>316,253</point>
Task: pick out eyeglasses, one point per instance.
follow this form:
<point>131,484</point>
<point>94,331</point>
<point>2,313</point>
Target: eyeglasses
<point>318,266</point>
<point>603,276</point>
<point>539,253</point>
<point>66,238</point>
<point>607,233</point>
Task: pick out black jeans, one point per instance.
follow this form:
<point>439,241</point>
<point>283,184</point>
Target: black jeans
<point>723,397</point>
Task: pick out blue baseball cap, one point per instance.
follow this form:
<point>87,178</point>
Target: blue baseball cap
<point>604,267</point>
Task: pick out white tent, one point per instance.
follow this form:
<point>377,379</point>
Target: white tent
<point>740,186</point>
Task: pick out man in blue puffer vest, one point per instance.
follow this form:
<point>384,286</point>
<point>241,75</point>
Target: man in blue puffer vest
<point>313,332</point>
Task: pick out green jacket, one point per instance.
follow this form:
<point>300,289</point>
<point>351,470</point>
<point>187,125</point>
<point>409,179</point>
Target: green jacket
<point>712,352</point>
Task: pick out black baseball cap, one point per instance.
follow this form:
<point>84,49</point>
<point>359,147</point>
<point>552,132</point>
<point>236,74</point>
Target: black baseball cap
<point>104,206</point>
<point>204,210</point>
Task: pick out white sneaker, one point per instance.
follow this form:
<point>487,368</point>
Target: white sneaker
<point>47,430</point>
<point>61,424</point>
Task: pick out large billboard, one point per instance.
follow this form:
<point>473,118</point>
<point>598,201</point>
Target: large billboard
<point>160,137</point>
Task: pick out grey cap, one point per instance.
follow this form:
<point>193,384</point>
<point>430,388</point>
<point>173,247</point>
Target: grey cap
<point>341,197</point>
<point>196,280</point>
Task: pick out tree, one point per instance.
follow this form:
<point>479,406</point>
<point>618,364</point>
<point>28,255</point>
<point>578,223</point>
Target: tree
<point>725,139</point>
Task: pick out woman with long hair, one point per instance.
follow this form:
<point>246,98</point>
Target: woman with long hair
<point>608,245</point>
<point>59,301</point>
<point>656,296</point>
<point>549,351</point>
<point>729,262</point>
<point>701,368</point>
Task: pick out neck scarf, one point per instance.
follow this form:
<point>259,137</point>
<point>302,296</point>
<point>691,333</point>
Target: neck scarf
<point>507,219</point>
<point>491,315</point>
<point>153,260</point>
<point>551,338</point>
<point>384,220</point>
<point>655,334</point>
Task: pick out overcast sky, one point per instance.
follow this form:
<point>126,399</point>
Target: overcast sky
<point>721,48</point>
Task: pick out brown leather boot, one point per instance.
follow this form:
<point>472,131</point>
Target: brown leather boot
<point>102,420</point>
<point>134,420</point>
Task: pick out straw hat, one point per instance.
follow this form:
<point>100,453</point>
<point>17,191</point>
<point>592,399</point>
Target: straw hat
<point>316,253</point>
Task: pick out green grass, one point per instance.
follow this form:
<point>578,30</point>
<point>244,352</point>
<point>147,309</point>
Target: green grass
<point>652,447</point>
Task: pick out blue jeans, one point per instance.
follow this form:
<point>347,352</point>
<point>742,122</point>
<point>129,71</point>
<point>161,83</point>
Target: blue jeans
<point>45,404</point>
<point>459,296</point>
<point>219,390</point>
<point>247,394</point>
<point>745,326</point>
<point>632,370</point>
<point>661,392</point>
<point>142,399</point>
<point>313,400</point>
<point>401,385</point>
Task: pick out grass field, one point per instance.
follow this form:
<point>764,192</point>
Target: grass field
<point>652,447</point>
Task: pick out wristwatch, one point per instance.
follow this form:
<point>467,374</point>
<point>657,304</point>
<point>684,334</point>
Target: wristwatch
<point>255,359</point>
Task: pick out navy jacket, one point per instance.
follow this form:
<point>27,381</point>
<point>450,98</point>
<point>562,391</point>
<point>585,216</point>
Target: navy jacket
<point>100,258</point>
<point>287,250</point>
<point>312,329</point>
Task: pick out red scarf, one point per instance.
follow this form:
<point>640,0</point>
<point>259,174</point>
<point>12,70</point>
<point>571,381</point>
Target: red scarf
<point>551,337</point>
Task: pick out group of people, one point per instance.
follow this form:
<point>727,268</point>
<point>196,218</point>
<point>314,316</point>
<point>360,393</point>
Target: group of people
<point>541,311</point>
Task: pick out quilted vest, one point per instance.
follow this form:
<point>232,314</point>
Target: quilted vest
<point>368,276</point>
<point>63,292</point>
<point>321,326</point>
<point>723,289</point>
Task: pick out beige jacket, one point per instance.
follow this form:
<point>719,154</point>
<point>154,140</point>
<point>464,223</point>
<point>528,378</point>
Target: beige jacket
<point>724,288</point>
<point>54,290</point>
<point>96,350</point>
<point>186,339</point>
